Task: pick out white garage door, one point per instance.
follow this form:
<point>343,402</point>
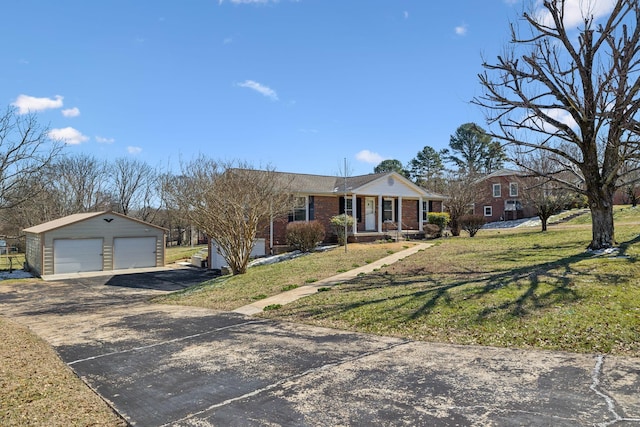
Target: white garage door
<point>134,252</point>
<point>75,255</point>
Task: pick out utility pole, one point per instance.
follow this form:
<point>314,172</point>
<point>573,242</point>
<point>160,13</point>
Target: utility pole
<point>346,237</point>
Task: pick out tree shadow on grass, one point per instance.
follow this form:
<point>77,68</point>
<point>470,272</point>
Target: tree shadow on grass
<point>537,286</point>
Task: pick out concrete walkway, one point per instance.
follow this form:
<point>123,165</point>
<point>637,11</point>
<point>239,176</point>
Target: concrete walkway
<point>312,288</point>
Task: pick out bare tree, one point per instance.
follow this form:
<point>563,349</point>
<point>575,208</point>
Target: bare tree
<point>229,201</point>
<point>561,87</point>
<point>462,191</point>
<point>25,151</point>
<point>134,186</point>
<point>79,183</point>
<point>548,196</point>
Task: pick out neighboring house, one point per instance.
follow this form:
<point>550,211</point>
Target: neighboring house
<point>383,204</point>
<point>95,241</point>
<point>500,197</point>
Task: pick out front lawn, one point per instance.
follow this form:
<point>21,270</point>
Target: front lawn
<point>230,292</point>
<point>508,288</point>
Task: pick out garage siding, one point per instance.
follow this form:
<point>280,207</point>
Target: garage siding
<point>34,252</point>
<point>107,226</point>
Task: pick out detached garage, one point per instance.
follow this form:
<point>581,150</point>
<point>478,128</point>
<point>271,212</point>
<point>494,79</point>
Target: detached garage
<point>95,241</point>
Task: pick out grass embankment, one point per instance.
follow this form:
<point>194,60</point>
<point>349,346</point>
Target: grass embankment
<point>36,388</point>
<point>230,292</point>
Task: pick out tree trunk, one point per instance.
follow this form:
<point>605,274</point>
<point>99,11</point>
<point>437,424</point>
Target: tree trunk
<point>602,225</point>
<point>543,220</point>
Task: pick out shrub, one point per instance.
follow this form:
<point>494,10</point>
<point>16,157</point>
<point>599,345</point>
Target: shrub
<point>471,223</point>
<point>304,236</point>
<point>338,223</point>
<point>441,219</point>
<point>432,230</point>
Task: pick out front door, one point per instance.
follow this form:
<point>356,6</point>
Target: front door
<point>370,213</point>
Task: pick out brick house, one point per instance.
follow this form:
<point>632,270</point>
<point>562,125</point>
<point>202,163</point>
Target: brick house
<point>384,204</point>
<point>500,197</point>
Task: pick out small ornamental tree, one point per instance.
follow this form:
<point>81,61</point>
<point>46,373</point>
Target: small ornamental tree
<point>304,236</point>
<point>341,224</point>
<point>471,223</point>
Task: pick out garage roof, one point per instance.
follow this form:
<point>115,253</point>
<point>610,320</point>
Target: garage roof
<point>72,219</point>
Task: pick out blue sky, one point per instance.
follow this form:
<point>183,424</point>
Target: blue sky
<point>298,85</point>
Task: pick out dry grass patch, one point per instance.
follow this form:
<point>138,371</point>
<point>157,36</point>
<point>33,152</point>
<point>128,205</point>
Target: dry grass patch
<point>38,389</point>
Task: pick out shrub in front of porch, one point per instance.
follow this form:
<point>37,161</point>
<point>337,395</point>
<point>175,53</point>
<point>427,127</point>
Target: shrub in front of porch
<point>304,236</point>
<point>441,219</point>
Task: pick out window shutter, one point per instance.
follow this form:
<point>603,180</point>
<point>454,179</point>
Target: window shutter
<point>311,209</point>
<point>395,211</point>
<point>359,209</point>
<point>340,205</point>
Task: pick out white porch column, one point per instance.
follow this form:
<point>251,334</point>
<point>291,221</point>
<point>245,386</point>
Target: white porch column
<point>380,214</point>
<point>420,214</point>
<point>399,219</point>
<point>354,212</point>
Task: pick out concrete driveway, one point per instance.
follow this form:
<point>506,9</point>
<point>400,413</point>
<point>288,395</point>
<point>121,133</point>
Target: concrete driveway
<point>182,366</point>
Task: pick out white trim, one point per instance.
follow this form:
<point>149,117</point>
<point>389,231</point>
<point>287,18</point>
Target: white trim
<point>493,190</point>
<point>490,210</point>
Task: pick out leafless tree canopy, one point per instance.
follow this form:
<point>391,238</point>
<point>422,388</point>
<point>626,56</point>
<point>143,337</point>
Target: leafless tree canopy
<point>25,151</point>
<point>543,190</point>
<point>572,92</point>
<point>229,201</point>
<point>134,186</point>
<point>462,190</point>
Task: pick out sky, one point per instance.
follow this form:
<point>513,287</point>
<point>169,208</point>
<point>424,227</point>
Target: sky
<point>295,85</point>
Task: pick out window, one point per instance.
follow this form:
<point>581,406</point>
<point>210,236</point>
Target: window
<point>497,191</point>
<point>299,209</point>
<point>425,210</point>
<point>488,211</point>
<point>349,206</point>
<point>513,189</point>
<point>387,210</point>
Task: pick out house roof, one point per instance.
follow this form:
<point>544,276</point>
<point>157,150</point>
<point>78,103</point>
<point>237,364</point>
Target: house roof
<point>326,184</point>
<point>74,218</point>
<point>503,172</point>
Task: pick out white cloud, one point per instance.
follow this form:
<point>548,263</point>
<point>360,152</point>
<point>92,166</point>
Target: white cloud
<point>134,150</point>
<point>369,157</point>
<point>103,140</point>
<point>574,10</point>
<point>264,90</point>
<point>71,112</point>
<point>68,135</point>
<point>405,14</point>
<point>461,30</point>
<point>26,103</point>
<point>558,114</point>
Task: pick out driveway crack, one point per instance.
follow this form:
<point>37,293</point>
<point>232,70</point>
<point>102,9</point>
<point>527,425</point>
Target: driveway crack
<point>612,406</point>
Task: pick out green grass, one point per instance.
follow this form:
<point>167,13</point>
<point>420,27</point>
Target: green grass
<point>508,288</point>
<point>230,292</point>
<point>179,253</point>
<point>13,261</point>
